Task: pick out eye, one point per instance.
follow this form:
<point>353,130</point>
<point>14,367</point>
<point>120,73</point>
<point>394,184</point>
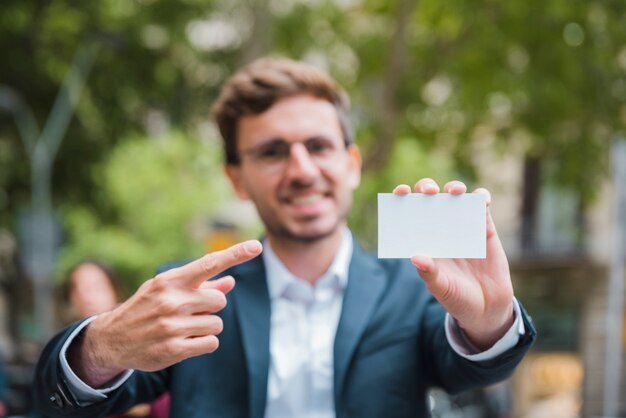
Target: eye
<point>273,151</point>
<point>319,146</point>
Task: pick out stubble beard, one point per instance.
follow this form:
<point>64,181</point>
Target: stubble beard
<point>283,232</point>
<point>287,235</point>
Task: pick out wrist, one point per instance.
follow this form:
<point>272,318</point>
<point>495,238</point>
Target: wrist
<point>89,358</point>
<point>485,334</point>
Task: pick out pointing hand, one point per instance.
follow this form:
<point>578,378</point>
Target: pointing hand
<point>170,318</point>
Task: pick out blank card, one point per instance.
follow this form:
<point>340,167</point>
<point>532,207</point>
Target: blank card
<point>436,226</point>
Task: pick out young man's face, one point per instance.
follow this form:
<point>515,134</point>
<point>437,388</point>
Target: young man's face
<point>296,168</point>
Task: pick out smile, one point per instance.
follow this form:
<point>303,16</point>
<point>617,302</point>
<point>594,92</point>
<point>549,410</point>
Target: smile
<point>307,200</point>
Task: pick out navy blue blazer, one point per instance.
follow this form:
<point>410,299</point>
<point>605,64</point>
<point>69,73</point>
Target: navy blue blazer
<point>390,347</point>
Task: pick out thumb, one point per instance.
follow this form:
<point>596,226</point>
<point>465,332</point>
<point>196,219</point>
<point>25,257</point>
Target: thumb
<point>429,271</point>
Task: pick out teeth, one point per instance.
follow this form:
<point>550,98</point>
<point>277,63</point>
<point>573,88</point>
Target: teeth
<point>306,200</point>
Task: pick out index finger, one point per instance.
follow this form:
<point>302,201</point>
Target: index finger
<point>198,271</point>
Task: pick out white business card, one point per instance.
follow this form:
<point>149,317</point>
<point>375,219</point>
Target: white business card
<point>437,226</point>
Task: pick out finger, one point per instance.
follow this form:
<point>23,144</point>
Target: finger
<point>223,284</point>
<point>200,325</point>
<point>210,297</point>
<point>182,302</point>
<point>198,271</point>
<point>486,192</point>
<point>402,189</point>
<point>209,301</point>
<point>455,187</point>
<point>184,326</point>
<point>196,346</point>
<point>427,185</point>
<point>491,227</point>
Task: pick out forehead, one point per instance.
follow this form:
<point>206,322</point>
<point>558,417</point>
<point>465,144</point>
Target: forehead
<point>293,118</point>
<point>88,275</point>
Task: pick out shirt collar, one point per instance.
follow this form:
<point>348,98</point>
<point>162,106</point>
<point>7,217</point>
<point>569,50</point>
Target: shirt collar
<point>279,277</point>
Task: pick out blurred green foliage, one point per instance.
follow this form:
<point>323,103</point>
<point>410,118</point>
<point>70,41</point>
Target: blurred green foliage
<point>163,191</point>
<point>410,161</point>
<point>428,80</point>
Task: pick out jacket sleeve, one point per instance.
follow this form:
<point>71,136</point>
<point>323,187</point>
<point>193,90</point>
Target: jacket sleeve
<point>53,398</point>
<point>452,372</point>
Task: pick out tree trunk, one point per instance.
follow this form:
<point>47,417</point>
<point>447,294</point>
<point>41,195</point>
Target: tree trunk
<point>530,204</point>
<point>389,107</point>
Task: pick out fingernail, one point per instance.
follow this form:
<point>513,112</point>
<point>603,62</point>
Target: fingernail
<point>252,246</point>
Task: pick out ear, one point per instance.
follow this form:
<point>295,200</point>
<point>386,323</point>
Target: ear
<point>233,172</point>
<point>356,162</point>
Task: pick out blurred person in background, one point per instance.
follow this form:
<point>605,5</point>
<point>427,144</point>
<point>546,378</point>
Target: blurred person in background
<point>92,289</point>
<point>315,326</point>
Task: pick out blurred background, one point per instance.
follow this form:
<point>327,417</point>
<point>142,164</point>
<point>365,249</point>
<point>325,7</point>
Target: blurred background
<point>107,151</point>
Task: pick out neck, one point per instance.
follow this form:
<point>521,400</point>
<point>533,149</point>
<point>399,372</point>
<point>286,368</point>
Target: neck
<point>307,260</point>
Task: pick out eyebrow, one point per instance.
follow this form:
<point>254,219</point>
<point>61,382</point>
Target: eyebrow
<point>282,140</point>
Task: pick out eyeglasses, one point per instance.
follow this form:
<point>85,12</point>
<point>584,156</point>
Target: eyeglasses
<point>275,153</point>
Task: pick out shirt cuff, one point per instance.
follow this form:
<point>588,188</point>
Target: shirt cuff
<point>463,347</point>
<point>83,393</point>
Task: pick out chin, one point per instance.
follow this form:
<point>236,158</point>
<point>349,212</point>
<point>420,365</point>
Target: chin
<point>308,235</point>
<point>309,238</point>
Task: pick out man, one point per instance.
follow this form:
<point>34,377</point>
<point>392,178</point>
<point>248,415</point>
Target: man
<point>315,327</point>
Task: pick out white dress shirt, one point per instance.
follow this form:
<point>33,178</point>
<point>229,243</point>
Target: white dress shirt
<point>302,333</point>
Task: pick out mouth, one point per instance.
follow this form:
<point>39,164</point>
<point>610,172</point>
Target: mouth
<point>311,204</point>
<point>306,200</point>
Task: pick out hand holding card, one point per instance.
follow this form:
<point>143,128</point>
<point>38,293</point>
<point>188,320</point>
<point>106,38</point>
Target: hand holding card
<point>477,292</point>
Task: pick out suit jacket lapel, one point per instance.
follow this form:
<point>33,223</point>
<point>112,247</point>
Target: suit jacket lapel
<point>366,281</point>
<point>252,304</point>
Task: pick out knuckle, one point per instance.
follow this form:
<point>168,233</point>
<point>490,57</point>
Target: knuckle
<point>146,286</point>
<point>235,253</point>
<point>240,252</point>
<point>172,349</point>
<point>168,305</point>
<point>166,326</point>
<point>209,263</point>
<point>159,282</point>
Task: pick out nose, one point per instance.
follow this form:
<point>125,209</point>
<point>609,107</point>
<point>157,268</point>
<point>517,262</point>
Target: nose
<point>300,164</point>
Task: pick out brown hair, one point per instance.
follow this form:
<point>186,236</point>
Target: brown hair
<point>256,87</point>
